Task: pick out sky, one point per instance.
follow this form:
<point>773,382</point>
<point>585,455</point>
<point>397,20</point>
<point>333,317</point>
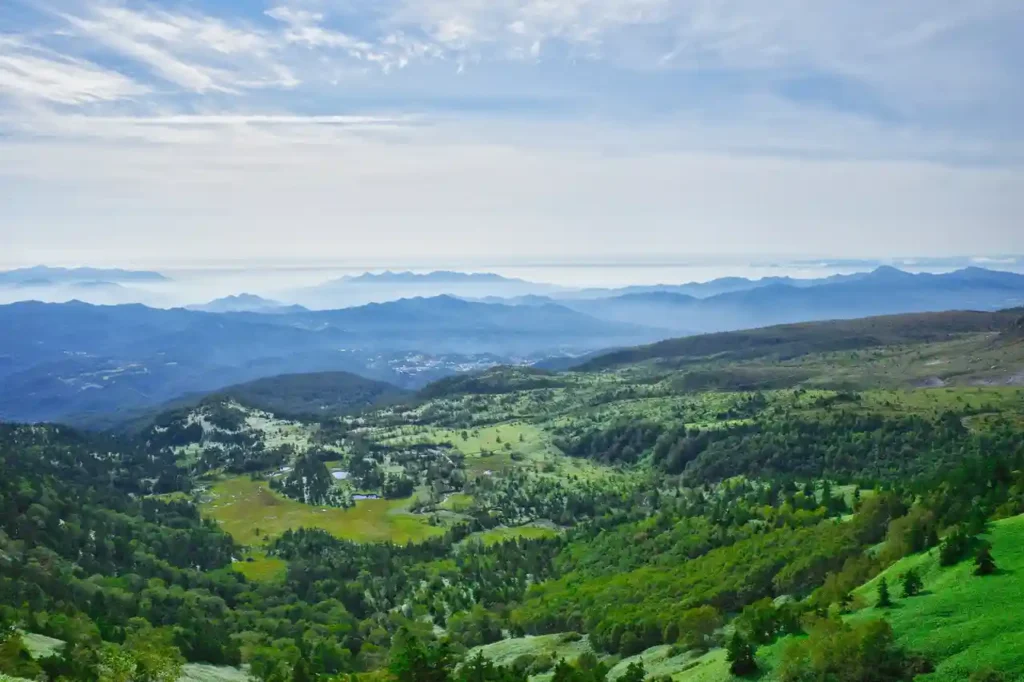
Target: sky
<point>349,131</point>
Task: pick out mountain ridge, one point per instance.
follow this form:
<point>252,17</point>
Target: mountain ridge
<point>51,275</point>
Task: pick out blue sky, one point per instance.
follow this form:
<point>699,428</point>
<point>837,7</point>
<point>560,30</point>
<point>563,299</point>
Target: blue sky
<point>348,129</point>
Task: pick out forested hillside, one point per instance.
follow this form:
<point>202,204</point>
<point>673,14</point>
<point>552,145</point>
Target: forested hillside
<point>788,342</point>
<point>621,524</point>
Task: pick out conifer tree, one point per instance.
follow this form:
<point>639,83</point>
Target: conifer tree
<point>984,564</point>
<point>911,583</point>
<point>884,600</point>
<point>740,655</point>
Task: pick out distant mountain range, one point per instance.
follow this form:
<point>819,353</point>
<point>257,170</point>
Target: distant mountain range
<point>387,286</point>
<point>41,275</point>
<point>73,359</point>
<point>744,303</point>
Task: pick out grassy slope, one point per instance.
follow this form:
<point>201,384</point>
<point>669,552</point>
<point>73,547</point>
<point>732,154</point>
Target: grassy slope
<point>657,660</point>
<point>243,507</point>
<point>529,446</point>
<point>507,651</point>
<point>963,622</point>
<point>500,534</point>
<point>41,646</point>
<point>197,672</point>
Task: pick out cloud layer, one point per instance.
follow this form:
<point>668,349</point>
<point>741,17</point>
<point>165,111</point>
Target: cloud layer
<point>704,124</point>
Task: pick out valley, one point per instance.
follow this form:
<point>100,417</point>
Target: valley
<point>653,507</point>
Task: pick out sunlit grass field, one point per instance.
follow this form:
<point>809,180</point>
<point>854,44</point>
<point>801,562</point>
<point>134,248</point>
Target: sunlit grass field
<point>251,512</point>
<point>965,622</point>
<point>496,535</point>
<point>260,567</point>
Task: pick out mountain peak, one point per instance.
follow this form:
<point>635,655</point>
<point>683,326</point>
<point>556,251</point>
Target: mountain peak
<point>244,303</point>
<point>890,272</point>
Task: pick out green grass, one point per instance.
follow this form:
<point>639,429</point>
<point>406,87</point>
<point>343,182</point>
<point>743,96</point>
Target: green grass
<point>198,672</point>
<point>933,401</point>
<point>498,441</point>
<point>659,661</point>
<point>262,567</point>
<point>496,535</point>
<point>507,651</point>
<point>962,622</point>
<point>457,502</point>
<point>250,511</point>
<point>710,667</point>
<point>528,446</point>
<point>40,646</point>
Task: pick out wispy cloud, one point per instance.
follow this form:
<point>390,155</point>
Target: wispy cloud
<point>196,52</point>
<point>35,73</point>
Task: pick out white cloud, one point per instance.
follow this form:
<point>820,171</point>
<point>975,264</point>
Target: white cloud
<point>196,52</point>
<point>304,29</point>
<point>913,51</point>
<point>676,128</point>
<point>33,73</point>
<point>436,191</point>
<point>388,51</point>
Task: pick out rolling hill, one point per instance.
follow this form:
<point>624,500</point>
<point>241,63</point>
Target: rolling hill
<point>783,342</point>
<point>323,394</point>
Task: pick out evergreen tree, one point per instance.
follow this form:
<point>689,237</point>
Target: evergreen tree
<point>300,672</point>
<point>740,655</point>
<point>884,600</point>
<point>984,564</point>
<point>954,548</point>
<point>911,583</point>
<point>634,673</point>
<point>413,661</point>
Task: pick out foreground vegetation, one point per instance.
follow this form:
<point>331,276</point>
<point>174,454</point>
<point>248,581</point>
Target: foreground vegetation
<point>518,524</point>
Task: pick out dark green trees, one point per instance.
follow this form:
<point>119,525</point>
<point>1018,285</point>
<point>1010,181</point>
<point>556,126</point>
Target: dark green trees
<point>884,599</point>
<point>912,584</point>
<point>984,564</point>
<point>836,650</point>
<point>635,672</point>
<point>740,655</point>
<point>14,657</point>
<point>955,547</point>
<point>415,661</point>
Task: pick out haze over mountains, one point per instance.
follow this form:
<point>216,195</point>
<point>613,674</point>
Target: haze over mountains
<point>77,359</point>
<point>74,358</point>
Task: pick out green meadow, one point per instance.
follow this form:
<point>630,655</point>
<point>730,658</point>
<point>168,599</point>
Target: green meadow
<point>252,513</point>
